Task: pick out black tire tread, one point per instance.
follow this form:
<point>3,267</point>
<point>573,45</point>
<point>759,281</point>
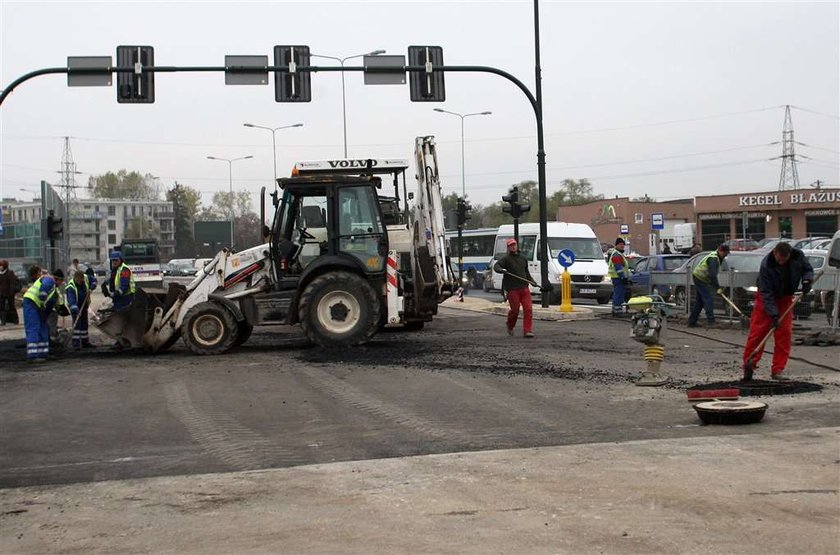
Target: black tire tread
<point>229,339</point>
<point>347,282</point>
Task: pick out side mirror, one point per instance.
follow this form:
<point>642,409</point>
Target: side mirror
<point>834,251</point>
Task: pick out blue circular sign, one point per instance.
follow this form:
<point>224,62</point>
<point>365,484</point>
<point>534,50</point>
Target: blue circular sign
<point>566,258</point>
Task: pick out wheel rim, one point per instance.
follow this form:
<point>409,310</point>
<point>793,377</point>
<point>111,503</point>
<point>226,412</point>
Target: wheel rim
<point>338,312</point>
<point>208,330</point>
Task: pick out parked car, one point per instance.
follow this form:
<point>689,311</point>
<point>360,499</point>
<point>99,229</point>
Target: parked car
<point>743,297</point>
<point>768,245</point>
<point>184,269</point>
<point>656,263</point>
<point>742,244</point>
<point>810,242</point>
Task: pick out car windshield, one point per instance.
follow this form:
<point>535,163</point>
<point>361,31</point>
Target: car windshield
<point>669,264</point>
<point>744,263</point>
<point>584,249</point>
<point>816,260</point>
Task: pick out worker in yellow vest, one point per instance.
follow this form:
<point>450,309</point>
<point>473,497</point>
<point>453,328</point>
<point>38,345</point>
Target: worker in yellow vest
<point>705,284</point>
<point>38,301</point>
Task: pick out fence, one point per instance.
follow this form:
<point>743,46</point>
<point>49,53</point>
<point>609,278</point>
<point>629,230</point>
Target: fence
<point>740,288</point>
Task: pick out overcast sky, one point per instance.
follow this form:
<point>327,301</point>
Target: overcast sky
<point>672,100</point>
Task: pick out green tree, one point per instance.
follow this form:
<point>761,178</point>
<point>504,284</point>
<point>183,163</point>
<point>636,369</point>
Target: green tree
<point>226,206</point>
<point>124,185</point>
<point>578,192</point>
<point>185,204</point>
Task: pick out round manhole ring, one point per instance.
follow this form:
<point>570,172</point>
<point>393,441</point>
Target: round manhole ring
<point>753,388</point>
<point>730,412</point>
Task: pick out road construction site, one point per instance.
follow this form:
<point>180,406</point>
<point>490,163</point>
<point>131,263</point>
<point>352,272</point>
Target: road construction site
<point>457,438</point>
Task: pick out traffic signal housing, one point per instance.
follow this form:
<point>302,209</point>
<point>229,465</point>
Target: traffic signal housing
<point>292,85</point>
<point>463,212</point>
<point>515,207</point>
<point>137,87</point>
<point>55,226</point>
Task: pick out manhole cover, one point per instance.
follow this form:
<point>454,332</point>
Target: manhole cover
<point>754,388</point>
<point>730,412</point>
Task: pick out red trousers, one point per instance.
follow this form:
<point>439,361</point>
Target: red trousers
<point>523,297</point>
<point>760,325</point>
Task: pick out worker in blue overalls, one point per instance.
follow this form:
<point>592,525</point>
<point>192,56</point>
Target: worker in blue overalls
<point>78,299</point>
<point>121,284</point>
<point>122,289</point>
<point>38,301</point>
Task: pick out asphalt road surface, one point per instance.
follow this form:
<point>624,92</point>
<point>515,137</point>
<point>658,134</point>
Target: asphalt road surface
<point>462,384</point>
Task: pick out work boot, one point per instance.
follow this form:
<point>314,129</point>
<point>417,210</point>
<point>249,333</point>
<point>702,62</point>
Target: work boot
<point>779,377</point>
<point>88,345</point>
<point>529,334</point>
<point>510,331</point>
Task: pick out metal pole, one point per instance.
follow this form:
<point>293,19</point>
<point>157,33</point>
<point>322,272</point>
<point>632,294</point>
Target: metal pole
<point>230,199</point>
<point>546,286</point>
<point>274,151</point>
<point>343,108</point>
<point>463,182</point>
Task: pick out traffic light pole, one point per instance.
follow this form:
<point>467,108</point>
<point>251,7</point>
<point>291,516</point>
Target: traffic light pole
<point>536,105</point>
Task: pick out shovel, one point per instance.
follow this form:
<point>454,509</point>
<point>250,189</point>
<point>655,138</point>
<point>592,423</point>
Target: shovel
<point>749,365</point>
<point>735,307</point>
<point>69,337</point>
<point>522,278</point>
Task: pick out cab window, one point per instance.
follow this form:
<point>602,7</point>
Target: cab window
<point>360,231</point>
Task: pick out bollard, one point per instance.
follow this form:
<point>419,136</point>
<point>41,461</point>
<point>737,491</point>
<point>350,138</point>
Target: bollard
<point>566,292</point>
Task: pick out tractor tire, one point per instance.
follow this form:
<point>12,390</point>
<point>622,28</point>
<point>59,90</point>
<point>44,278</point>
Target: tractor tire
<point>339,309</point>
<point>209,329</point>
<point>244,333</point>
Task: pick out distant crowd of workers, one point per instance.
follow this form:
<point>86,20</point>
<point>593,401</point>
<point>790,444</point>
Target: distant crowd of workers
<point>46,297</point>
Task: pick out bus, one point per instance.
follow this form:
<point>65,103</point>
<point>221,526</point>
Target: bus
<point>143,257</point>
<point>478,251</point>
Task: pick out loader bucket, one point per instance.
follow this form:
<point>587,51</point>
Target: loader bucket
<point>138,325</point>
<point>127,326</point>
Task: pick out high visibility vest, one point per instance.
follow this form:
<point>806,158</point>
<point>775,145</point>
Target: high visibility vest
<point>701,271</point>
<point>72,285</point>
<point>611,271</point>
<point>34,294</point>
<point>130,279</point>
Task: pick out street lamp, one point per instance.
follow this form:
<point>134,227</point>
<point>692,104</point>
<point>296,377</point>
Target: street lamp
<point>230,162</point>
<point>462,116</point>
<point>273,141</point>
<point>343,101</point>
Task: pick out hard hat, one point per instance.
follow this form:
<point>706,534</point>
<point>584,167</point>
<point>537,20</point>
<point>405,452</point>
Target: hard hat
<point>115,255</point>
<point>619,241</point>
<point>511,242</point>
<point>58,274</point>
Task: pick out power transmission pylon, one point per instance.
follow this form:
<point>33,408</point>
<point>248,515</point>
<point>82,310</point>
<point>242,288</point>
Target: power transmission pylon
<point>789,178</point>
<point>68,185</point>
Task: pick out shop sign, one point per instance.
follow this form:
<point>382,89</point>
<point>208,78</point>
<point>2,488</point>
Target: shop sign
<point>818,197</point>
<point>825,212</point>
<point>759,200</point>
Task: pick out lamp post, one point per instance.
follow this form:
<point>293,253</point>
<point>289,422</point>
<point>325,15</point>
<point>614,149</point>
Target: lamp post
<point>463,117</point>
<point>343,100</point>
<point>230,162</point>
<point>273,130</point>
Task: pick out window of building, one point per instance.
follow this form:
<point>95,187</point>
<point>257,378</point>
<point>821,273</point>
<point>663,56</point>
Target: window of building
<point>133,210</point>
<point>639,218</point>
<point>755,228</point>
<point>112,210</point>
<point>714,232</point>
<point>112,238</point>
<point>112,225</point>
<point>821,226</point>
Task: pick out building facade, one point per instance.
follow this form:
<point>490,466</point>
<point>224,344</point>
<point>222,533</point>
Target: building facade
<point>793,214</point>
<point>94,226</point>
<point>632,220</point>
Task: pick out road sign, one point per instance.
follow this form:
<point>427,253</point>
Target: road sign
<point>566,258</point>
<point>625,229</point>
<point>384,70</point>
<point>657,221</point>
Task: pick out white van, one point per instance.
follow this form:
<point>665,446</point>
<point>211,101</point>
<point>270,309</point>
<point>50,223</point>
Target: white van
<point>589,271</point>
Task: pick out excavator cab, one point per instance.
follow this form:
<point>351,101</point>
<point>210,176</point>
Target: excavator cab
<point>329,221</point>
